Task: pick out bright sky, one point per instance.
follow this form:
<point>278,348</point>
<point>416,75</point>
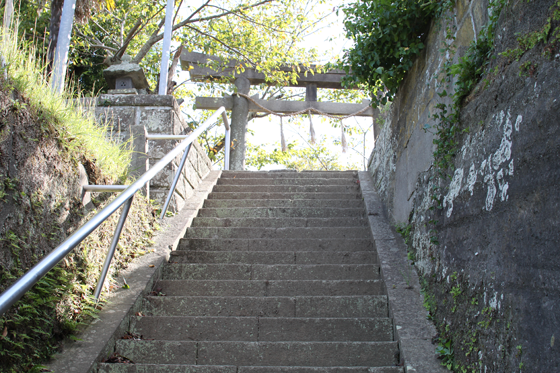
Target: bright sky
<point>328,39</point>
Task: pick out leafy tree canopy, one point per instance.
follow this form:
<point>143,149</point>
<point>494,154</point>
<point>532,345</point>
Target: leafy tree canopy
<point>387,36</point>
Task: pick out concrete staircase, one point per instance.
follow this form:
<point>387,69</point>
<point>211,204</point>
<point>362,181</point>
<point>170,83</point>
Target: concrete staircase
<point>278,274</point>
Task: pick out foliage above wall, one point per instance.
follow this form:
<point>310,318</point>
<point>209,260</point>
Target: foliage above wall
<point>387,37</point>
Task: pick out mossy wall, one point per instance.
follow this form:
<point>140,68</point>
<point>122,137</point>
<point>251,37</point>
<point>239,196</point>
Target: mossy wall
<point>41,205</point>
<point>485,237</point>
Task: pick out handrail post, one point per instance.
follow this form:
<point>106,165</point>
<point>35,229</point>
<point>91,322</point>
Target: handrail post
<point>175,180</point>
<point>111,252</point>
<point>15,291</point>
<point>227,140</point>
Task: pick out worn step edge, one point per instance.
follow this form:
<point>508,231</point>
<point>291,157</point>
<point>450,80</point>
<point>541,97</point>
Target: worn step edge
<point>260,353</point>
<point>168,368</point>
<point>268,306</point>
<point>278,233</point>
<point>241,244</point>
<point>263,329</point>
<point>198,271</point>
<point>280,222</point>
<point>281,212</point>
<point>287,181</point>
<point>287,188</point>
<point>269,288</point>
<point>274,257</point>
<point>282,203</point>
<point>289,174</point>
<point>298,196</point>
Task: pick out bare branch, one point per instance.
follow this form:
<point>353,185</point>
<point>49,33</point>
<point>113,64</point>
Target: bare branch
<point>189,20</point>
<point>177,12</point>
<point>101,46</point>
<point>234,50</point>
<point>148,45</point>
<point>95,43</point>
<point>198,9</point>
<point>105,31</point>
<point>226,13</point>
<point>243,16</point>
<point>125,43</point>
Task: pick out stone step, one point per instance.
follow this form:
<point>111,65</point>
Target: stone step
<point>262,329</point>
<point>287,181</point>
<point>270,306</point>
<point>273,212</point>
<point>168,368</point>
<point>198,271</point>
<point>286,196</point>
<point>320,370</point>
<point>278,203</point>
<point>273,257</point>
<point>269,288</point>
<point>354,188</point>
<point>289,174</point>
<point>314,354</point>
<point>279,222</point>
<point>278,233</point>
<point>327,245</point>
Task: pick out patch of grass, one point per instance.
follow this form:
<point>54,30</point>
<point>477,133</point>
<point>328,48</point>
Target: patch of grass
<point>43,215</point>
<point>67,119</point>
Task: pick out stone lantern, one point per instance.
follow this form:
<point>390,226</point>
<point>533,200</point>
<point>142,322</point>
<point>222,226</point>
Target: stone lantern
<point>126,78</point>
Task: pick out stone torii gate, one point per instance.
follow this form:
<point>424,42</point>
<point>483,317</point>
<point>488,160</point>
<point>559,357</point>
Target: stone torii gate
<point>198,65</point>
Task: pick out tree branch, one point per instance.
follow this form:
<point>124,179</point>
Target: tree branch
<point>101,46</point>
<point>105,31</point>
<point>225,13</point>
<point>95,43</point>
<point>127,41</point>
<point>155,37</point>
<point>148,45</point>
<point>223,44</point>
<point>249,19</point>
<point>177,12</point>
<point>171,72</point>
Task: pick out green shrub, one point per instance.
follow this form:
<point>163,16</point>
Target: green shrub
<point>387,37</point>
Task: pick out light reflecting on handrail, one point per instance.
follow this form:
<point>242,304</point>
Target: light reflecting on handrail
<point>22,285</point>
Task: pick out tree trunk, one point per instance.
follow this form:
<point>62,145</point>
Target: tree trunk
<point>56,14</point>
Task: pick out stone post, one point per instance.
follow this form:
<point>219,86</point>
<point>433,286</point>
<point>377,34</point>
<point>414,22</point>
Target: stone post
<point>239,114</point>
<point>131,117</point>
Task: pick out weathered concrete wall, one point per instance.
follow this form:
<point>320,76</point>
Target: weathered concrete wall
<point>493,278</point>
<point>135,116</point>
<point>403,149</point>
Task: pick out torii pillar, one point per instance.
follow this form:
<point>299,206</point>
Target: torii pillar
<point>239,114</point>
<point>203,67</point>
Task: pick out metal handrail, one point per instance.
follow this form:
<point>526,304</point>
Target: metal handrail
<point>21,286</point>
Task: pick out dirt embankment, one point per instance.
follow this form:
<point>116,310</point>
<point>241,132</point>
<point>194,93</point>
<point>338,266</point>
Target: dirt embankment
<point>40,205</point>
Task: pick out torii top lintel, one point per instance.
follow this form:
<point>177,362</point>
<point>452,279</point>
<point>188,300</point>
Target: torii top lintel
<point>194,62</point>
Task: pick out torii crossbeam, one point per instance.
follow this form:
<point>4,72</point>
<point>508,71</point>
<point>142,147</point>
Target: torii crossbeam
<point>203,67</point>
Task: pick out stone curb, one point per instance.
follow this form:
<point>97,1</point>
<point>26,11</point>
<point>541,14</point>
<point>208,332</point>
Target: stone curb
<point>98,339</point>
<point>412,330</point>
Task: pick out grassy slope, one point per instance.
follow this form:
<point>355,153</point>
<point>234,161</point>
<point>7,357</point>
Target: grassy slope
<point>43,143</point>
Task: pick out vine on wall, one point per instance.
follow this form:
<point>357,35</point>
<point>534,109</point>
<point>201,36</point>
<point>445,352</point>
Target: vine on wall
<point>387,35</point>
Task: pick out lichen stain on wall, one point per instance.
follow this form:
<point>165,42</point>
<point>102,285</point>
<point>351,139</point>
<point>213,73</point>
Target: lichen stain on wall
<point>489,254</point>
<point>493,170</point>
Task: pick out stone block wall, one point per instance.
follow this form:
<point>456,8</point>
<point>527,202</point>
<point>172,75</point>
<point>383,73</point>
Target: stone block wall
<point>403,148</point>
<point>134,116</point>
<point>489,254</point>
